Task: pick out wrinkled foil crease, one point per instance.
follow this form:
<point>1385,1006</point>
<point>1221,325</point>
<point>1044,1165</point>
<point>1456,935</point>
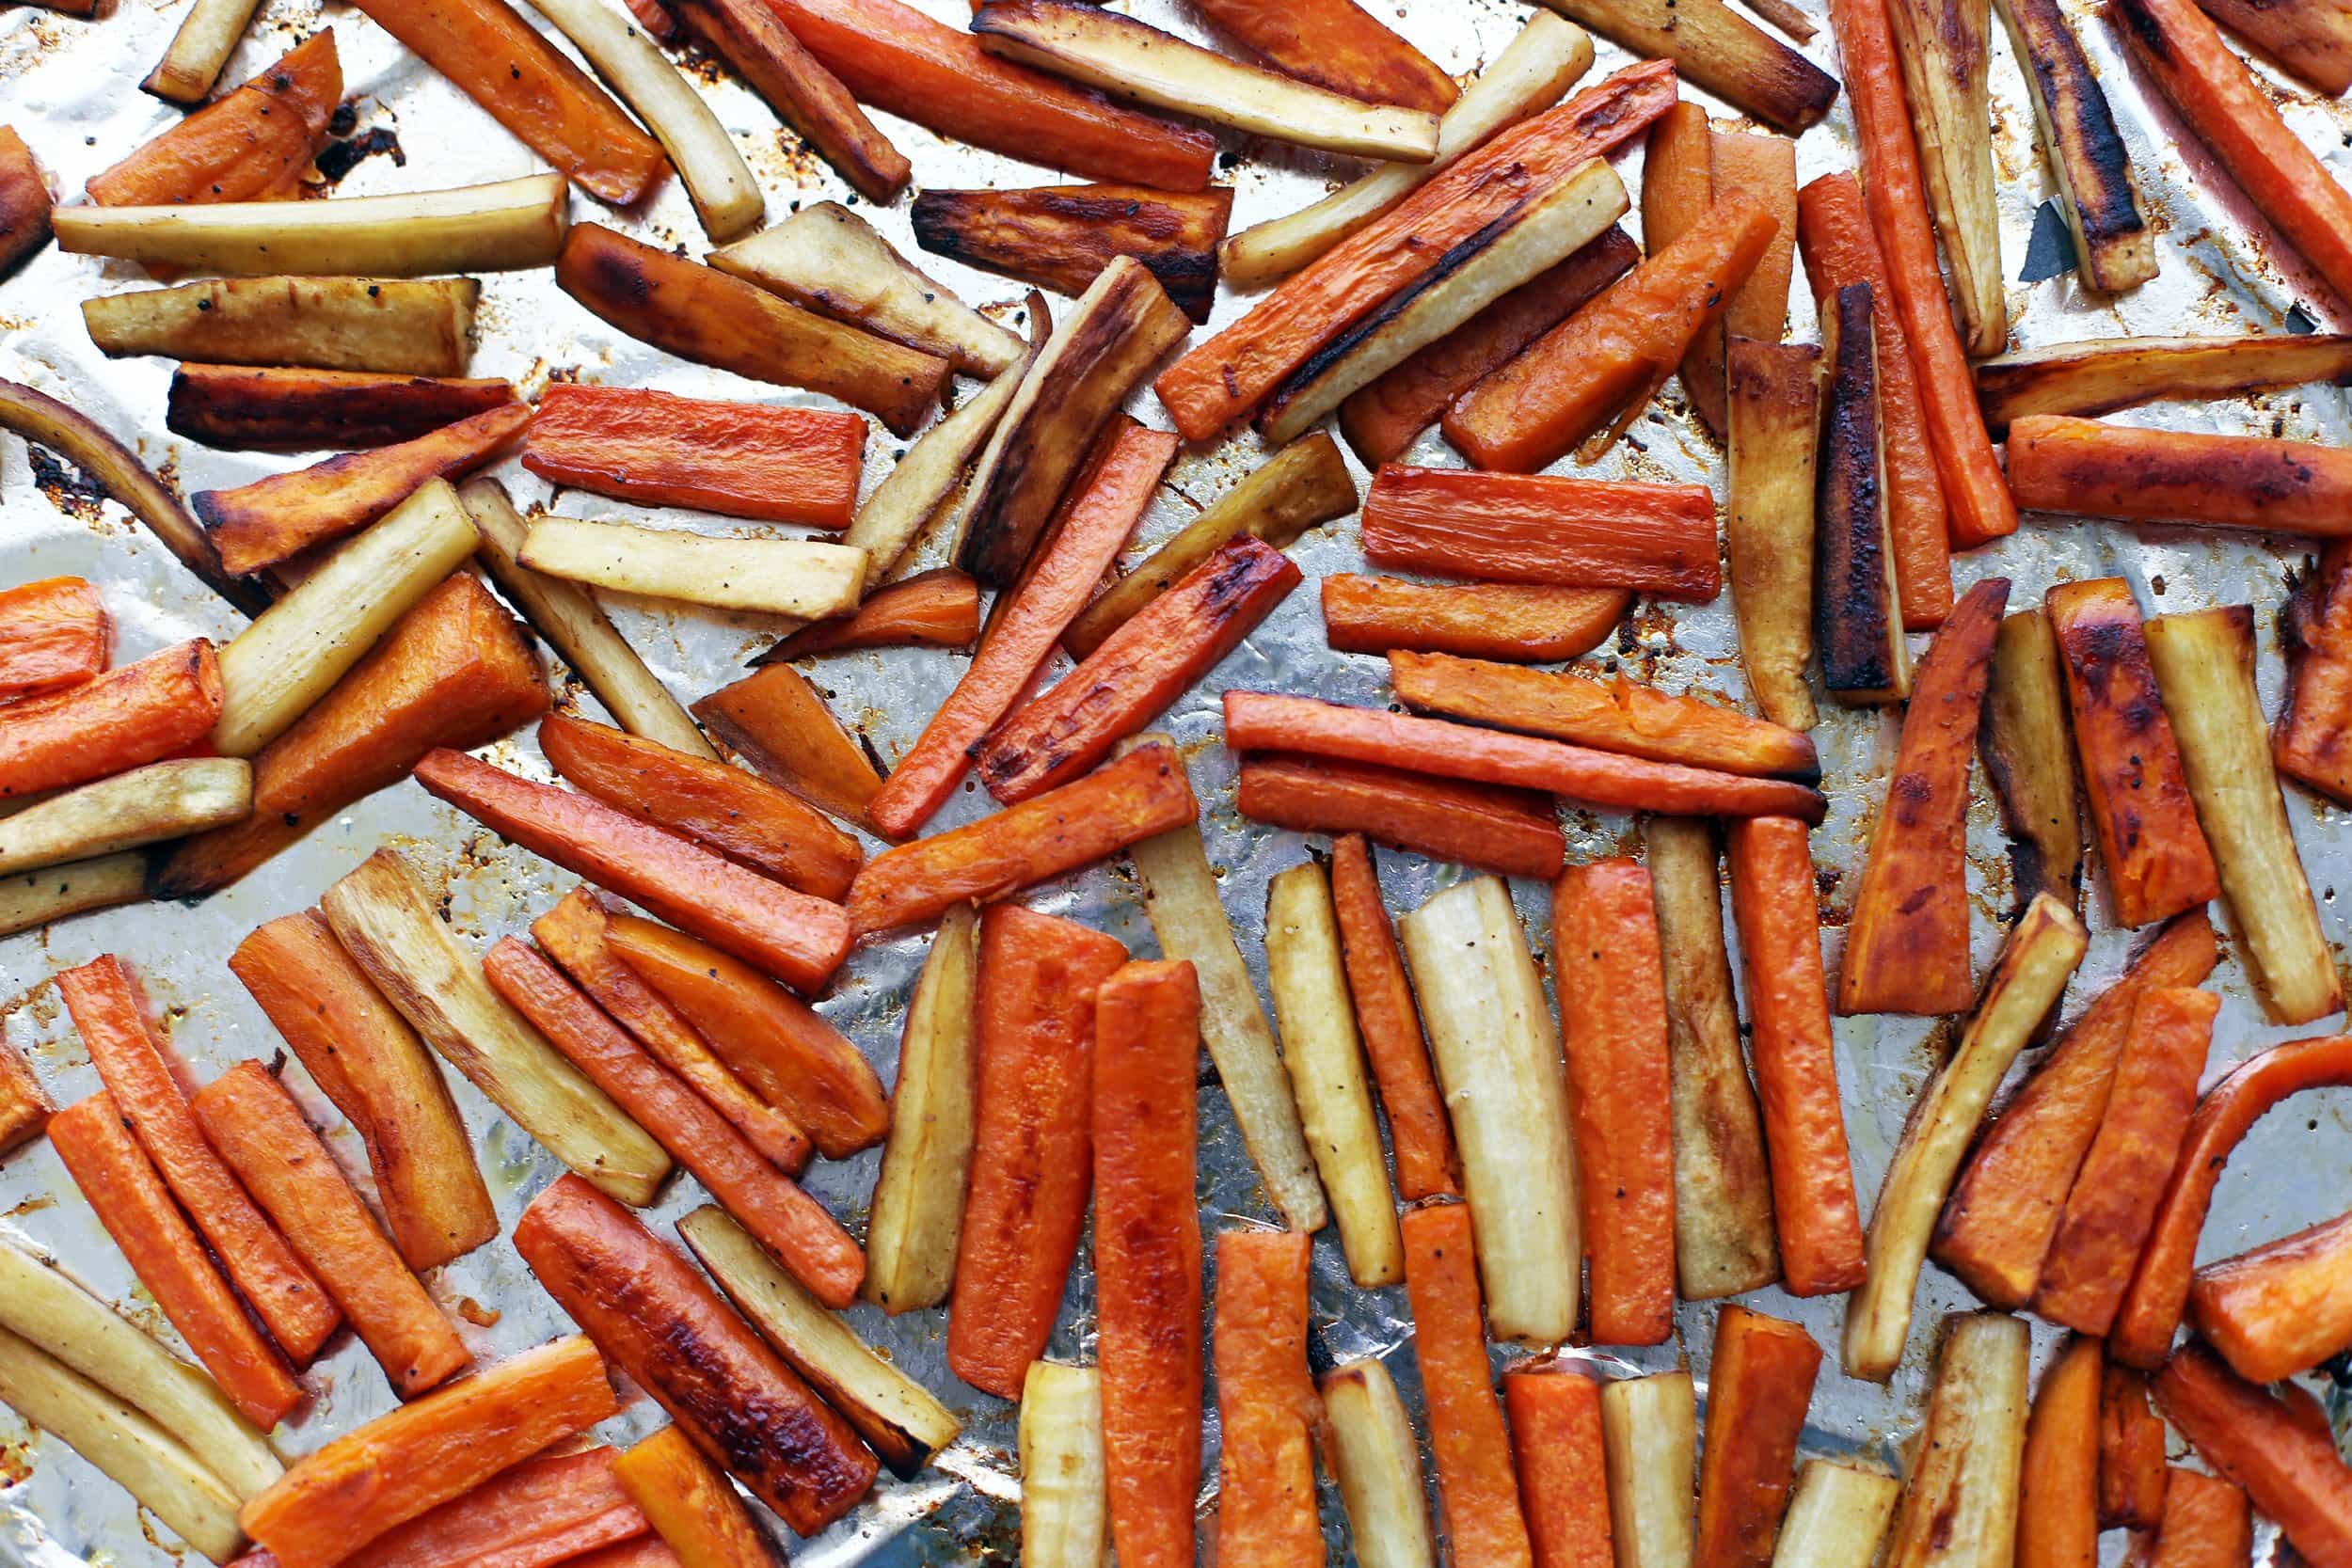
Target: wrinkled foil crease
<point>71,87</point>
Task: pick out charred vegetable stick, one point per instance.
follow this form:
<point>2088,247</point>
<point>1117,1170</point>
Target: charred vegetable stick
<point>35,898</point>
<point>691,1504</point>
<point>1837,1515</point>
<point>1650,1426</point>
<point>2317,631</point>
<point>1375,1459</point>
<point>253,143</point>
<point>1773,400</point>
<point>389,326</point>
<point>1774,899</point>
<point>2103,374</point>
<point>926,483</point>
<point>1529,623</point>
<point>127,718</point>
<point>1945,53</point>
<point>939,608</point>
<point>1605,943</point>
<point>1065,1516</point>
<point>232,405</point>
<point>1265,1403</point>
<point>2279,1309</point>
<point>2028,744</point>
<point>1337,45</point>
<point>1558,1447</point>
<point>2310,42</point>
<point>2157,860</point>
<point>2114,249</point>
<point>1507,830</point>
<point>1721,51</point>
<point>1857,609</point>
<point>1061,237</point>
<point>2275,1445</point>
<point>26,203</point>
<point>780,727</point>
<point>25,1108</point>
<point>2043,950</point>
<point>1383,1004</point>
<point>1657,539</point>
<point>146,806</point>
<point>1759,1384</point>
<point>804,95</point>
<point>1960,1499</point>
<point>739,459</point>
<point>1498,1060</point>
<point>2061,464</point>
<point>54,634</point>
<point>2058,1494</point>
<point>2132,1446</point>
<point>1476,1481</point>
<point>782,576</point>
<point>917,1214</point>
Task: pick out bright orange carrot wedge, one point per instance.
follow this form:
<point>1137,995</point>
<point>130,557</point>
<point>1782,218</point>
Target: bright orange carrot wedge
<point>1223,379</point>
<point>372,1480</point>
<point>2280,1308</point>
<point>798,939</point>
<point>1605,945</point>
<point>121,1186</point>
<point>1526,623</point>
<point>2274,1444</point>
<point>931,610</point>
<point>1384,1016</point>
<point>2132,1473</point>
<point>1265,1403</point>
<point>125,719</point>
<point>740,459</point>
<point>1336,45</point>
<point>1147,1258</point>
<point>1032,1155</point>
<point>259,1130</point>
<point>558,1506</point>
<point>797,1061</point>
<point>1476,1482</point>
<point>1907,942</point>
<point>1509,830</point>
<point>1657,539</point>
<point>502,62</point>
<point>2057,1497</point>
<point>778,724</point>
<point>1759,1385</point>
<point>111,1017</point>
<point>1563,1484</point>
<point>1606,360</point>
<point>2207,1523</point>
<point>251,143</point>
<point>1138,670</point>
<point>1142,793</point>
<point>691,1503</point>
<point>54,634</point>
<point>805,1239</point>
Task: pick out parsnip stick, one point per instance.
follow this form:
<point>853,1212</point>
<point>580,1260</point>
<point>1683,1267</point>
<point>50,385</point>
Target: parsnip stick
<point>786,576</point>
<point>1065,1512</point>
<point>208,36</point>
<point>146,806</point>
<point>1960,1501</point>
<point>917,1214</point>
<point>1650,1428</point>
<point>925,480</point>
<point>1377,1461</point>
<point>36,897</point>
<point>1836,1516</point>
<point>392,325</point>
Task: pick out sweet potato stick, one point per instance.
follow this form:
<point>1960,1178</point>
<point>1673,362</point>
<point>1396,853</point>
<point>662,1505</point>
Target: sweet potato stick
<point>254,141</point>
<point>2132,1443</point>
<point>2274,1444</point>
<point>1960,1499</point>
<point>125,719</point>
<point>811,100</point>
<point>1759,1384</point>
<point>917,1219</point>
<point>777,724</point>
<point>1507,830</point>
<point>1265,1403</point>
<point>2279,1309</point>
<point>1475,1477</point>
<point>740,459</point>
<point>1570,532</point>
<point>54,634</point>
<point>1557,1446</point>
<point>938,608</point>
<point>1384,1016</point>
<point>1525,623</point>
<point>2058,1495</point>
<point>691,1502</point>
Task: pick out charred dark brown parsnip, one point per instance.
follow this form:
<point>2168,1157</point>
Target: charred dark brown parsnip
<point>1061,237</point>
<point>1720,50</point>
<point>2113,247</point>
<point>237,406</point>
<point>1856,624</point>
<point>2028,751</point>
<point>2108,373</point>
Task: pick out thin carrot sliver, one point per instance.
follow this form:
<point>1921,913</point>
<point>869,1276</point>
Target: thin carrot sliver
<point>1384,1016</point>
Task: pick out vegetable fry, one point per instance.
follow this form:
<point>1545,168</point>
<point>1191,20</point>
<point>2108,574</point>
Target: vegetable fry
<point>1650,1426</point>
<point>1265,1403</point>
<point>691,1502</point>
<point>127,718</point>
<point>2319,690</point>
<point>2207,1524</point>
<point>206,38</point>
<point>1476,1482</point>
<point>1960,1500</point>
<point>779,725</point>
<point>236,405</point>
<point>1836,1516</point>
<point>1766,167</point>
<point>146,806</point>
<point>1382,1000</point>
<point>1337,45</point>
<point>2103,374</point>
<point>1520,622</point>
<point>2028,744</point>
<point>1677,185</point>
<point>1857,606</point>
<point>2278,1309</point>
<point>2308,41</point>
<point>1718,49</point>
<point>1945,54</point>
<point>389,326</point>
<point>2061,464</point>
<point>35,898</point>
<point>939,608</point>
<point>1557,1446</point>
<point>24,1107</point>
<point>2113,247</point>
<point>811,100</point>
<point>1759,1384</point>
<point>782,576</point>
<point>1061,237</point>
<point>1377,1461</point>
<point>1507,830</point>
<point>2058,1494</point>
<point>1064,1506</point>
<point>1772,411</point>
<point>26,203</point>
<point>917,1215</point>
<point>1656,539</point>
<point>54,634</point>
<point>253,143</point>
<point>2276,1446</point>
<point>560,1506</point>
<point>2132,1443</point>
<point>739,459</point>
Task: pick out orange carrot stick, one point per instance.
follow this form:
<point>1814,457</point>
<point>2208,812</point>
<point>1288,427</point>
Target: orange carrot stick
<point>646,1551</point>
<point>1336,45</point>
<point>54,634</point>
<point>2091,468</point>
<point>779,726</point>
<point>2058,1497</point>
<point>256,1126</point>
<point>2265,1442</point>
<point>806,96</point>
<point>2280,1308</point>
<point>1532,623</point>
<point>1394,1041</point>
<point>1032,1145</point>
<point>1759,1384</point>
<point>24,1109</point>
<point>740,459</point>
<point>2206,1524</point>
<point>1813,1207</point>
<point>140,713</point>
<point>1508,830</point>
<point>252,143</point>
<point>1563,1487</point>
<point>111,1017</point>
<point>1476,1479</point>
<point>938,608</point>
<point>2309,739</point>
<point>1147,1258</point>
<point>543,1511</point>
<point>1604,921</point>
<point>798,939</point>
<point>1657,539</point>
<point>2131,1474</point>
<point>692,1505</point>
<point>805,1239</point>
<point>1265,1403</point>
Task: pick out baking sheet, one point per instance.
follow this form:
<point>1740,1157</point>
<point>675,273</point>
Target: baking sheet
<point>70,86</point>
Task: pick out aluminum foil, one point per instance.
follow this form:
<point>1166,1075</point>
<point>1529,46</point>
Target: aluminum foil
<point>70,86</point>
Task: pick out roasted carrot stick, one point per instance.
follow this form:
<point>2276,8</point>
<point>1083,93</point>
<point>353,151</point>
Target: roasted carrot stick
<point>252,143</point>
<point>1657,539</point>
<point>805,1239</point>
<point>2277,1446</point>
<point>1032,1150</point>
<point>373,1480</point>
<point>1138,671</point>
<point>931,610</point>
<point>54,634</point>
<point>1226,377</point>
<point>693,1505</point>
<point>2280,1308</point>
<point>2090,468</point>
<point>1974,493</point>
<point>1604,921</point>
<point>1142,793</point>
<point>1259,722</point>
<point>111,1017</point>
<point>1336,45</point>
<point>742,459</point>
<point>2058,1495</point>
<point>1774,902</point>
<point>646,1551</point>
<point>24,1109</point>
<point>1147,1257</point>
<point>2308,740</point>
<point>1531,623</point>
<point>738,814</point>
<point>1476,1479</point>
<point>121,1186</point>
<point>256,1126</point>
<point>1759,1384</point>
<point>778,724</point>
<point>2132,1476</point>
<point>1564,1485</point>
<point>2207,1522</point>
<point>1384,1016</point>
<point>799,940</point>
<point>1907,942</point>
<point>544,1510</point>
<point>1617,715</point>
<point>1265,1403</point>
<point>1509,830</point>
<point>1106,502</point>
<point>125,719</point>
<point>806,96</point>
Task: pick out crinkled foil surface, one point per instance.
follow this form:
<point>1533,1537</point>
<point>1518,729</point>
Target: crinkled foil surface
<point>70,86</point>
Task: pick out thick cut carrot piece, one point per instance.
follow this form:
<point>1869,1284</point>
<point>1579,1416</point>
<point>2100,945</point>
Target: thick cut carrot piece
<point>2123,1174</point>
<point>1476,1481</point>
<point>1604,363</point>
<point>1657,539</point>
<point>2207,1522</point>
<point>1140,794</point>
<point>1907,942</point>
<point>1147,1257</point>
<point>1032,1154</point>
<point>739,815</point>
<point>1105,505</point>
<point>1974,491</point>
<point>938,608</point>
<point>140,713</point>
<point>1335,44</point>
<point>2132,1476</point>
<point>1138,671</point>
<point>2057,1492</point>
<point>798,939</point>
<point>24,1109</point>
<point>692,1505</point>
<point>1563,1484</point>
<point>1776,907</point>
<point>797,1061</point>
<point>896,58</point>
<point>373,1480</point>
<point>495,57</point>
<point>1260,722</point>
<point>2277,1446</point>
<point>1384,1016</point>
<point>543,1511</point>
<point>2090,468</point>
<point>1530,623</point>
<point>1265,1403</point>
<point>779,724</point>
<point>110,1015</point>
<point>1509,830</point>
<point>2281,1309</point>
<point>1759,1384</point>
<point>2313,738</point>
<point>54,634</point>
<point>1616,715</point>
<point>258,1129</point>
<point>1834,228</point>
<point>805,1239</point>
<point>739,459</point>
<point>2157,860</point>
<point>121,1186</point>
<point>1604,922</point>
<point>1226,377</point>
<point>254,142</point>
